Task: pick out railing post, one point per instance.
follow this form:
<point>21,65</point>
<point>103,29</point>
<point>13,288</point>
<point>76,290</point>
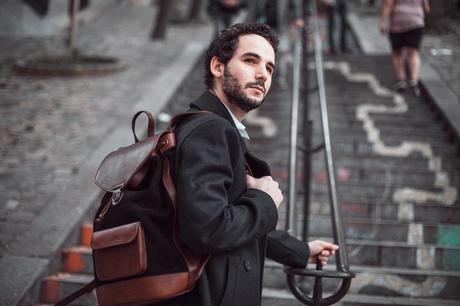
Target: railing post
<point>307,123</point>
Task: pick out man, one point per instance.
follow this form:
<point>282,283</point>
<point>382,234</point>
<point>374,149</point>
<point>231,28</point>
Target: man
<point>226,199</point>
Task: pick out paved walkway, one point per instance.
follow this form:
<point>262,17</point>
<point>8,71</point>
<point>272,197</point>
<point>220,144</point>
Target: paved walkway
<point>54,131</point>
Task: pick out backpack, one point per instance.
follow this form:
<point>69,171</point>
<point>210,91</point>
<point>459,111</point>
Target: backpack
<point>137,255</point>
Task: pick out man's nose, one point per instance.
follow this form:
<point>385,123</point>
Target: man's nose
<point>262,73</point>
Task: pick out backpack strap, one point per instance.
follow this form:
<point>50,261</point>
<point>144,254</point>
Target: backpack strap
<point>195,263</point>
<point>86,289</point>
<point>150,127</point>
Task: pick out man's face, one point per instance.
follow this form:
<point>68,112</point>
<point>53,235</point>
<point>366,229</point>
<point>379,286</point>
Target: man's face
<point>248,75</point>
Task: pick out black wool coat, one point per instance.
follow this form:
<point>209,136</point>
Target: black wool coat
<point>218,215</point>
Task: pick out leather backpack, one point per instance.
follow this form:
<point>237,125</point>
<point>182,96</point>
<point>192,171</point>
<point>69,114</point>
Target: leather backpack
<point>138,258</point>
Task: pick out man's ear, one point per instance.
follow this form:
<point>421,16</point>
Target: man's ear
<point>217,67</point>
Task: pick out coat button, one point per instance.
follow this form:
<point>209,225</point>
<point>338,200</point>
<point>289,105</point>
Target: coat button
<point>247,265</point>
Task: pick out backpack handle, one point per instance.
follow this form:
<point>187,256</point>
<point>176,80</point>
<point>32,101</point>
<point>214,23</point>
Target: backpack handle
<point>150,126</point>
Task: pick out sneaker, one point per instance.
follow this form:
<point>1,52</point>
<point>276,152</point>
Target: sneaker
<point>400,85</point>
<point>415,88</point>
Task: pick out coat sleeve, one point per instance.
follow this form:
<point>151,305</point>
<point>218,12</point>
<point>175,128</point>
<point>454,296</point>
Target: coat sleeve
<point>287,250</point>
<point>208,160</point>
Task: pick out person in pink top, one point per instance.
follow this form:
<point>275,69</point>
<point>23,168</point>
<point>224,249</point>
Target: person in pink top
<point>405,20</point>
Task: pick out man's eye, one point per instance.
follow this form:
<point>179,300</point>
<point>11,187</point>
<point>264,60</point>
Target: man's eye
<point>270,70</point>
<point>249,60</point>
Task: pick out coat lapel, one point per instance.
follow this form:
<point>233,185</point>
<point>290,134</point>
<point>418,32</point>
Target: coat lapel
<point>209,102</point>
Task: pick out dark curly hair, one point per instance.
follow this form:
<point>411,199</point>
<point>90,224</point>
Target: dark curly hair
<point>224,45</point>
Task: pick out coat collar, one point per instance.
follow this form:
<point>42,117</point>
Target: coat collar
<point>209,102</point>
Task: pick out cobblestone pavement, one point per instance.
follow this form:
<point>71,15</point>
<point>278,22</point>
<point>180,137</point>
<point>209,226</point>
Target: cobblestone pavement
<point>50,125</point>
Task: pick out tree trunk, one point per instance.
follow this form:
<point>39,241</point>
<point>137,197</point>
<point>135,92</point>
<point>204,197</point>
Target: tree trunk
<point>159,30</point>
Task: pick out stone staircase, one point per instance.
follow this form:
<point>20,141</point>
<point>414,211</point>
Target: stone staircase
<point>76,270</point>
<point>398,175</point>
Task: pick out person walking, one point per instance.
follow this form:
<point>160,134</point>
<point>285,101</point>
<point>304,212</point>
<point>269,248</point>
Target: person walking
<point>406,23</point>
<point>334,8</point>
<point>223,12</point>
<point>227,201</point>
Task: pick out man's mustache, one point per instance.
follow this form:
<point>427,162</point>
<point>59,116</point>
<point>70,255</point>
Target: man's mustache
<point>257,84</point>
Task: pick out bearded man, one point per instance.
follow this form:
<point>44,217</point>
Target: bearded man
<point>227,201</point>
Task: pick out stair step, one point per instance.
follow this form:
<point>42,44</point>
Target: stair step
<point>447,161</point>
<point>419,213</point>
<point>360,195</point>
<point>364,170</point>
<point>280,297</point>
<point>396,120</point>
<point>361,191</point>
<point>77,260</point>
<point>386,230</point>
<point>57,287</point>
<point>398,254</point>
<point>376,281</point>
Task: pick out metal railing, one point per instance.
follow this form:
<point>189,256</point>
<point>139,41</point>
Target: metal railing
<point>342,267</point>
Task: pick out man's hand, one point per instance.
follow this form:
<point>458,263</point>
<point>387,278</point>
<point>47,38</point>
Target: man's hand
<point>321,250</point>
<point>267,185</point>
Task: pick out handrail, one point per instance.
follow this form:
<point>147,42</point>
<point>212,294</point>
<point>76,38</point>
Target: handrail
<point>337,225</point>
<point>297,64</point>
<point>342,265</point>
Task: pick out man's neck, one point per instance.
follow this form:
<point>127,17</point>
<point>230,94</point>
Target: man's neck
<point>236,111</point>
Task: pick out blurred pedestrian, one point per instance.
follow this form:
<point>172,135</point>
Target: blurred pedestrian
<point>406,23</point>
<point>223,12</point>
<point>337,9</point>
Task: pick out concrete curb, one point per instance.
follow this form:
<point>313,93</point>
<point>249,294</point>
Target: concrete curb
<point>57,226</point>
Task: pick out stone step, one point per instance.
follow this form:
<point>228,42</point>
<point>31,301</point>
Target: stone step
<point>398,254</point>
<point>414,163</point>
<point>77,260</point>
<point>350,110</point>
<point>391,177</point>
<point>387,230</point>
<point>390,130</point>
<point>376,281</point>
<point>395,168</point>
<point>366,190</point>
<point>363,195</point>
<point>438,145</point>
<point>357,146</point>
<point>419,213</point>
<point>402,120</point>
<point>322,197</point>
<point>282,297</point>
<point>56,287</point>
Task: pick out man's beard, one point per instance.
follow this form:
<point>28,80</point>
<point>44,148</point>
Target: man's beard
<point>235,94</point>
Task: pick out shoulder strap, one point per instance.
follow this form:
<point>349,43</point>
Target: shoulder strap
<point>86,289</point>
<point>150,127</point>
<point>195,264</point>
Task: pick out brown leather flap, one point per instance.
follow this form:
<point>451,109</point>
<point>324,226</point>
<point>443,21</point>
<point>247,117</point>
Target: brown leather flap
<point>120,166</point>
<point>115,236</point>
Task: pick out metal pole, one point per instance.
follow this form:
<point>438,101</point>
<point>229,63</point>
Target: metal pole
<point>73,24</point>
<point>337,225</point>
<point>307,124</point>
<point>291,226</point>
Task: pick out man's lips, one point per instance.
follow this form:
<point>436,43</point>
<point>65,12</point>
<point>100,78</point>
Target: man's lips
<point>259,88</point>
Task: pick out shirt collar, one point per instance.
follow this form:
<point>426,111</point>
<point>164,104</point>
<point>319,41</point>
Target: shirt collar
<point>241,128</point>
